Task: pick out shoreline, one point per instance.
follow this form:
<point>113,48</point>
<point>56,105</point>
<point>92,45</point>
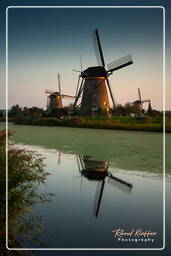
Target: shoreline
<point>115,123</point>
<point>150,124</point>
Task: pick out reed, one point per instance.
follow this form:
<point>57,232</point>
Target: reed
<point>25,172</point>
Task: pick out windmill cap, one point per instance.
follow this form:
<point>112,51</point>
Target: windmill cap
<point>97,71</point>
<point>54,94</point>
<point>137,102</point>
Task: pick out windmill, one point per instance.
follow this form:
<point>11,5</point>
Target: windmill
<point>54,101</point>
<point>98,171</point>
<point>93,83</point>
<point>138,104</point>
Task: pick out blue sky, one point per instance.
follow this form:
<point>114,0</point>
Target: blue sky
<point>45,42</point>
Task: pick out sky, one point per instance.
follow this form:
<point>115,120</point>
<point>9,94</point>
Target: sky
<point>43,42</point>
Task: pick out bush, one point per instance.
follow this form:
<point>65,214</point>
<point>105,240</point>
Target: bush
<point>25,172</point>
<point>103,122</point>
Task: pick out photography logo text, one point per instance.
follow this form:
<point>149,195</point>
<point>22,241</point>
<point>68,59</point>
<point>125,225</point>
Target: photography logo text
<point>134,235</point>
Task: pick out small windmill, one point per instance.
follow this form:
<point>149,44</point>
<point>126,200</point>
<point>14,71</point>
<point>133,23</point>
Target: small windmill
<point>54,100</point>
<point>138,104</point>
<point>98,171</point>
<point>94,83</point>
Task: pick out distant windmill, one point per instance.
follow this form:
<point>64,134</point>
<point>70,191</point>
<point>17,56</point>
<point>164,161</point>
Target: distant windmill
<point>98,171</point>
<point>138,104</point>
<point>93,87</point>
<point>54,100</point>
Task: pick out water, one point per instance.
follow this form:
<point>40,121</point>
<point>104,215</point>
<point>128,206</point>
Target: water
<point>102,180</point>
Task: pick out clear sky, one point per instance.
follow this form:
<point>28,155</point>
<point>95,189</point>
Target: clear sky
<point>45,42</point>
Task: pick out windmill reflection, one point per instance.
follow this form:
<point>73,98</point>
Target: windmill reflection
<point>98,171</point>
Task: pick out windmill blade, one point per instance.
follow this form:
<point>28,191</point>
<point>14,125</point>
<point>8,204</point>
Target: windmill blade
<point>67,96</point>
<point>98,197</point>
<point>75,70</point>
<point>59,83</point>
<point>111,94</point>
<point>49,91</point>
<point>139,94</point>
<point>143,101</point>
<point>79,93</point>
<point>119,183</point>
<point>121,60</point>
<point>77,86</point>
<point>141,105</point>
<point>98,49</point>
<point>81,162</point>
<point>59,157</point>
<point>81,66</point>
<point>120,63</point>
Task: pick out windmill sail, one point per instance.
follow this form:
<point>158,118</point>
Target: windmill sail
<point>120,184</point>
<point>139,94</point>
<point>98,49</point>
<point>111,94</point>
<point>98,197</point>
<point>49,91</point>
<point>147,100</point>
<point>59,84</point>
<point>120,63</point>
<point>67,96</point>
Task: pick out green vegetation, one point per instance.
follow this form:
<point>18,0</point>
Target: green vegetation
<point>154,124</point>
<point>25,173</point>
<point>124,118</point>
<point>17,111</point>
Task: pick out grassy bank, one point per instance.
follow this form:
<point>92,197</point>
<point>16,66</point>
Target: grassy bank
<point>153,124</point>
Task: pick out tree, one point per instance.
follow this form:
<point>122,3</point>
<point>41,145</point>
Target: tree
<point>119,110</point>
<point>2,113</point>
<point>15,111</point>
<point>35,111</point>
<point>128,108</point>
<point>149,111</point>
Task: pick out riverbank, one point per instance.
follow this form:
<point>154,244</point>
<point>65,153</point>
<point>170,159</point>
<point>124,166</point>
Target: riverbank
<point>26,171</point>
<point>150,124</point>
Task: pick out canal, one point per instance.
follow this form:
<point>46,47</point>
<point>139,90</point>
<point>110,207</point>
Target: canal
<point>103,181</point>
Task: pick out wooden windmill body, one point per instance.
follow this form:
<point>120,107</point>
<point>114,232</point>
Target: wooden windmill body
<point>94,86</point>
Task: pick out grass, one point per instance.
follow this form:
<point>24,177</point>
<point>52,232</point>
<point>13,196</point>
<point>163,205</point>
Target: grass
<point>153,124</point>
<point>25,172</point>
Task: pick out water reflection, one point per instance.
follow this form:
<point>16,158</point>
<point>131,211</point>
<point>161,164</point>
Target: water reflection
<point>110,198</point>
<point>98,171</point>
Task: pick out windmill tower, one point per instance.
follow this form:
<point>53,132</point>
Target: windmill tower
<point>94,85</point>
<point>138,104</point>
<point>54,101</point>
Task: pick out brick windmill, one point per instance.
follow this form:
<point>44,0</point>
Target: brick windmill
<point>93,83</point>
<point>138,104</point>
<point>54,101</point>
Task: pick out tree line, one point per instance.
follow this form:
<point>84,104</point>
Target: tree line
<point>126,109</point>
